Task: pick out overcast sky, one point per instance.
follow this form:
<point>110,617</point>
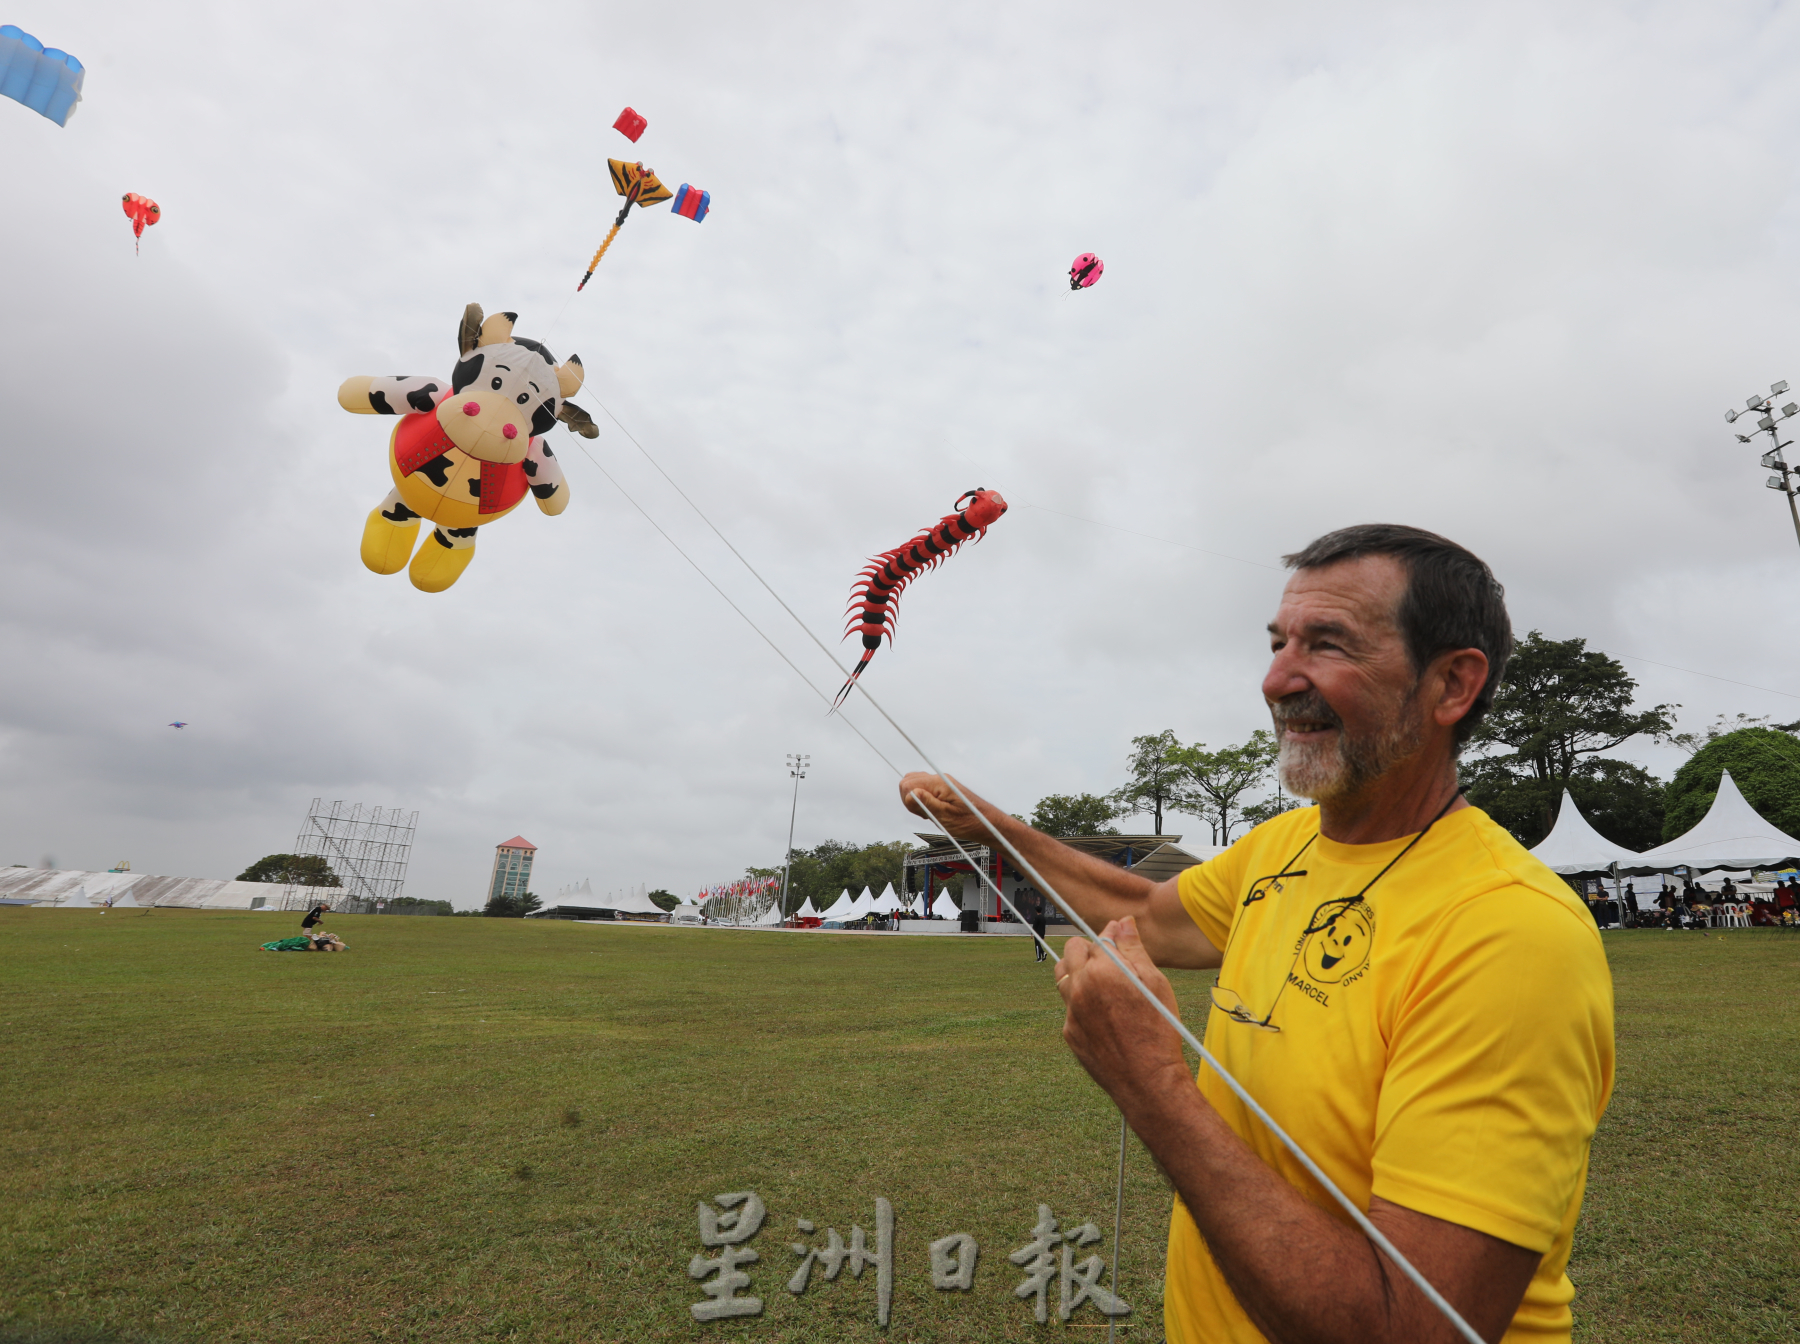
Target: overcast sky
<point>1492,270</point>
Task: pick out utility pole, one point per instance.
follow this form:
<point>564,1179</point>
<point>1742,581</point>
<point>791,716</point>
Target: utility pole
<point>797,768</point>
<point>1768,421</point>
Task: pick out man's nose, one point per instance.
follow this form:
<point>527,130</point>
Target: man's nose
<point>1284,677</point>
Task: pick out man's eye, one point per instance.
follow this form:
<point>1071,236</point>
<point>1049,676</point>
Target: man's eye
<point>495,384</point>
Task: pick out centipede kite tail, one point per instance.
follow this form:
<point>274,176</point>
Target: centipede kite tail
<point>874,601</point>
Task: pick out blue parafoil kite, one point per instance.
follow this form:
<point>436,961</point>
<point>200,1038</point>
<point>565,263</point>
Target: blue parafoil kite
<point>46,80</point>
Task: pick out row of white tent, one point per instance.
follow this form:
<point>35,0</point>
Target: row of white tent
<point>1732,835</point>
<point>846,910</point>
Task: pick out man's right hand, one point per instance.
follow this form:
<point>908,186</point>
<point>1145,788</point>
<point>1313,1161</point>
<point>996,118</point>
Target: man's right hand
<point>942,807</point>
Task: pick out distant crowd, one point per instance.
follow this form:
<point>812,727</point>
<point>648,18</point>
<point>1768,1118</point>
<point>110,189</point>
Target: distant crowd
<point>1692,906</point>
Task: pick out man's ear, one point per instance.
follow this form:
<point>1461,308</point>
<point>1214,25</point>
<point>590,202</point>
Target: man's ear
<point>1460,675</point>
<point>570,376</point>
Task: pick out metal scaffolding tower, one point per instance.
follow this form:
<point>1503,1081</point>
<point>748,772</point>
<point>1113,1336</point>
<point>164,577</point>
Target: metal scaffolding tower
<point>366,847</point>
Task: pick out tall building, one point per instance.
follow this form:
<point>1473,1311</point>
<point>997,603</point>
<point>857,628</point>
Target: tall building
<point>512,867</point>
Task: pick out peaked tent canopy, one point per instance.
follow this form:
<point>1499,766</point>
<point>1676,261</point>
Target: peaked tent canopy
<point>1575,849</point>
<point>945,908</point>
<point>1732,834</point>
<point>842,908</point>
<point>887,902</point>
<point>630,902</point>
<point>770,917</point>
<point>865,904</point>
<point>806,910</point>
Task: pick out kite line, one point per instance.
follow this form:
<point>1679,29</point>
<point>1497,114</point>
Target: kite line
<point>1103,945</point>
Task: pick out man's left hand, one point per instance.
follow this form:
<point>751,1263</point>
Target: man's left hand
<point>1125,1044</point>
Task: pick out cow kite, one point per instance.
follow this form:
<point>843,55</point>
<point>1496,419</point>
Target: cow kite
<point>468,448</point>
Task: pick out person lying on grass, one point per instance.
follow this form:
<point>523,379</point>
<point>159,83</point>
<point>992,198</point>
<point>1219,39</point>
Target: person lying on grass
<point>318,942</point>
<point>1421,1004</point>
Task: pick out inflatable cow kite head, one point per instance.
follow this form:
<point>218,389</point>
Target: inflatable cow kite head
<point>468,448</point>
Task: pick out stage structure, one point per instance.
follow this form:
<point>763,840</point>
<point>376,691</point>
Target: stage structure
<point>367,847</point>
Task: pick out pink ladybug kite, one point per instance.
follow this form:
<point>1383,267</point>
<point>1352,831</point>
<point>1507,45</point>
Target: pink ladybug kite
<point>141,211</point>
<point>1085,270</point>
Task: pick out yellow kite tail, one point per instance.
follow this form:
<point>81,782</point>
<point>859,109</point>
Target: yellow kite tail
<point>612,234</point>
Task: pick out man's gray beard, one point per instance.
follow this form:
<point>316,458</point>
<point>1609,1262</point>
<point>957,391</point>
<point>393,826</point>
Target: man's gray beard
<point>1326,772</point>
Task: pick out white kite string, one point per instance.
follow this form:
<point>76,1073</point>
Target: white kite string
<point>734,606</point>
<point>1357,1216</point>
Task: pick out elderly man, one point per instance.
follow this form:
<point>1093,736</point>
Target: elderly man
<point>1422,1005</point>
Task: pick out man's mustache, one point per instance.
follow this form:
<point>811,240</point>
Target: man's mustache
<point>1306,707</point>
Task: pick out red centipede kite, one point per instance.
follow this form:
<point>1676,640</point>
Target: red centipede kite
<point>875,599</point>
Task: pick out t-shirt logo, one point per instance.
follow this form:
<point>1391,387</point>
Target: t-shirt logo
<point>1337,940</point>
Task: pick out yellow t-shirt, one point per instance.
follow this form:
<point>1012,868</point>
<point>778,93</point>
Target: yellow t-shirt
<point>1446,1042</point>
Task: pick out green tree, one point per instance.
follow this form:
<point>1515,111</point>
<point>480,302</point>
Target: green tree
<point>668,900</point>
<point>1154,780</point>
<point>1622,801</point>
<point>1213,782</point>
<point>1560,701</point>
<point>1075,814</point>
<point>821,873</point>
<point>511,907</point>
<point>1257,813</point>
<point>1764,764</point>
<point>303,870</point>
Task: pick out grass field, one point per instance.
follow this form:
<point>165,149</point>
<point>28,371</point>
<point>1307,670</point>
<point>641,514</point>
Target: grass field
<point>498,1130</point>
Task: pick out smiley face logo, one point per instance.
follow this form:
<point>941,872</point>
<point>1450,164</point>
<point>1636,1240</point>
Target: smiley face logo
<point>1338,940</point>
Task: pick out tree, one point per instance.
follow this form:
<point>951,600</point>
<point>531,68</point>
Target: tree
<point>511,907</point>
<point>667,900</point>
<point>1154,777</point>
<point>1764,764</point>
<point>1212,782</point>
<point>1257,813</point>
<point>1075,814</point>
<point>820,873</point>
<point>299,870</point>
<point>1560,701</point>
<point>1692,742</point>
<point>1622,801</point>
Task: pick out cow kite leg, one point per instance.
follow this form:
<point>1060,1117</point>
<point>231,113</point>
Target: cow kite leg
<point>389,534</point>
<point>442,559</point>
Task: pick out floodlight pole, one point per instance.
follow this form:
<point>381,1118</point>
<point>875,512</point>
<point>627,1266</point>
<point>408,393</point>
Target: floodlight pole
<point>1769,422</point>
<point>797,768</point>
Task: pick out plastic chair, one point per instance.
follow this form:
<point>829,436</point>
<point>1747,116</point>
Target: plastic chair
<point>1737,916</point>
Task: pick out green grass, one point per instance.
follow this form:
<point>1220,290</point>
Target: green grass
<point>496,1130</point>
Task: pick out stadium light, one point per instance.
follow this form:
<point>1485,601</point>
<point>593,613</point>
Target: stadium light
<point>1768,421</point>
<point>796,764</point>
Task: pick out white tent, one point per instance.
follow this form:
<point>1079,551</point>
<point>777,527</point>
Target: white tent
<point>685,913</point>
<point>912,906</point>
<point>865,904</point>
<point>806,910</point>
<point>1732,834</point>
<point>886,903</point>
<point>1574,848</point>
<point>842,908</point>
<point>945,908</point>
<point>635,901</point>
<point>770,917</point>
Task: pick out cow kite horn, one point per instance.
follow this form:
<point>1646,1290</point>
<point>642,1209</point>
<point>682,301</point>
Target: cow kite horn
<point>470,330</point>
